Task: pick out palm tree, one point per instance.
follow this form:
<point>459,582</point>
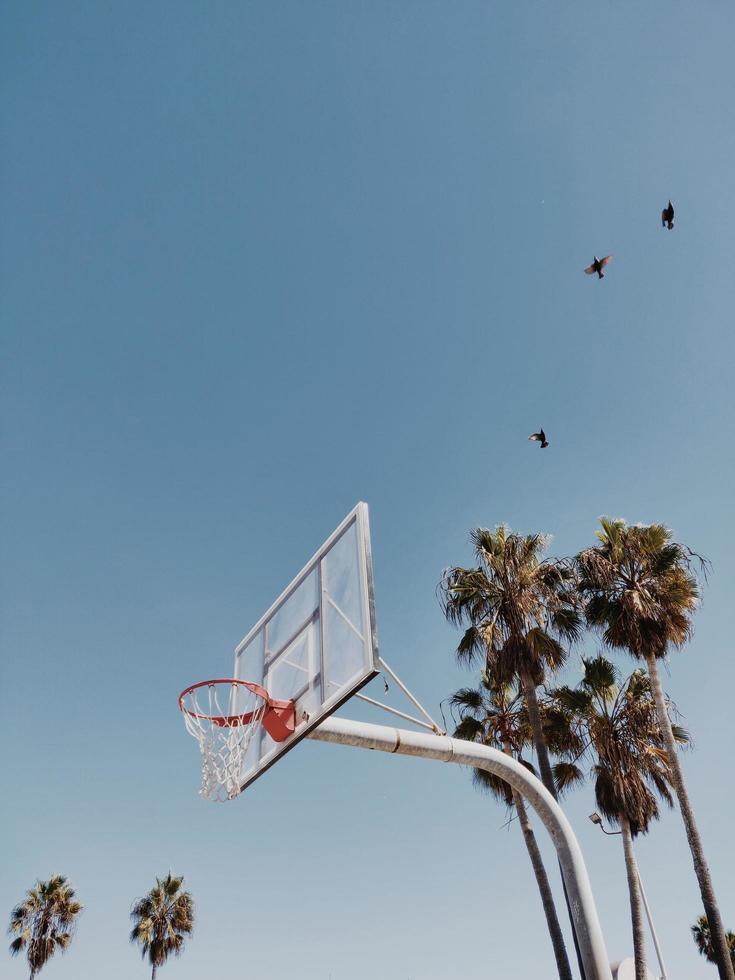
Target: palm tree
<point>701,934</point>
<point>44,922</point>
<point>515,607</point>
<point>163,919</point>
<point>618,726</point>
<point>494,715</point>
<point>641,593</point>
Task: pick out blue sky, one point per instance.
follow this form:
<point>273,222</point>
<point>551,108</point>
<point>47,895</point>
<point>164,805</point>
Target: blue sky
<point>259,261</point>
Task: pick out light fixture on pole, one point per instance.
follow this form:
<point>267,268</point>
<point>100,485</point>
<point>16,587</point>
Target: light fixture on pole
<point>597,820</point>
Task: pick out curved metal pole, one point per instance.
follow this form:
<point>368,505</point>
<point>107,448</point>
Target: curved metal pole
<point>401,742</point>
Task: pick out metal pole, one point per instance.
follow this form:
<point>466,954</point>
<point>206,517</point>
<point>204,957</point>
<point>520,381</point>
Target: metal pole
<point>401,742</point>
<point>596,819</point>
<point>659,954</point>
<point>394,711</point>
<point>411,698</point>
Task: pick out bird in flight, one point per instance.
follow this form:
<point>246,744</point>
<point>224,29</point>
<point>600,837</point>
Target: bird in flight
<point>597,266</point>
<point>667,216</point>
<point>539,436</point>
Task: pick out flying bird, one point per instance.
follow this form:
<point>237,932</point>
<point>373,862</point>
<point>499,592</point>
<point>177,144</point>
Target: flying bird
<point>539,436</point>
<point>597,266</point>
<point>667,216</point>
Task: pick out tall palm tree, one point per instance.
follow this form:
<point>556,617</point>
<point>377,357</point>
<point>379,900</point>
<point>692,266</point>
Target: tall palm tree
<point>703,939</point>
<point>516,607</point>
<point>493,715</point>
<point>619,728</point>
<point>641,593</point>
<point>44,922</point>
<point>163,919</point>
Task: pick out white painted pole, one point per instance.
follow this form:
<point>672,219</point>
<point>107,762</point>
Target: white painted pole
<point>411,698</point>
<point>659,954</point>
<point>401,742</point>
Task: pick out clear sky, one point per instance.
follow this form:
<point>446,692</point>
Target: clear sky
<point>258,261</point>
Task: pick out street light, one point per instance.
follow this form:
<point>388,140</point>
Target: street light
<point>597,820</point>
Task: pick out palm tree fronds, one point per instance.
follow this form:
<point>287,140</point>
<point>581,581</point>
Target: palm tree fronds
<point>467,699</point>
<point>600,677</point>
<point>470,729</point>
<point>572,701</point>
<point>545,649</point>
<point>45,921</point>
<point>703,939</point>
<point>488,782</point>
<point>162,919</point>
<point>567,776</point>
<point>527,764</point>
<point>567,622</point>
<point>620,727</point>
<point>681,735</point>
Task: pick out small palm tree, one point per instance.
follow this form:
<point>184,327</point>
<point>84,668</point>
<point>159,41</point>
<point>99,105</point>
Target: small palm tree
<point>641,593</point>
<point>619,729</point>
<point>703,939</point>
<point>44,922</point>
<point>494,715</point>
<point>163,919</point>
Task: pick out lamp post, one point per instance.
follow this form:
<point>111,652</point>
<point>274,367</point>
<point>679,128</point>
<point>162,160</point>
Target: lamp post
<point>597,820</point>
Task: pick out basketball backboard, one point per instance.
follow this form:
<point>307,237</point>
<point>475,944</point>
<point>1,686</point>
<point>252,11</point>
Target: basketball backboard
<point>317,644</point>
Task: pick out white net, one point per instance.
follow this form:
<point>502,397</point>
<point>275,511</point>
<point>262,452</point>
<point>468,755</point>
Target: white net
<point>223,730</point>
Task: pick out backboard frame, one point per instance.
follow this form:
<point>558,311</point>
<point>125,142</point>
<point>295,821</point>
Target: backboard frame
<point>358,516</point>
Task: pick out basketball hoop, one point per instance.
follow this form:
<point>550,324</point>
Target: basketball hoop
<point>224,733</point>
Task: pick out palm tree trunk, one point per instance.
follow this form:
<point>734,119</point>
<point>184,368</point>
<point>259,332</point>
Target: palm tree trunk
<point>636,909</point>
<point>153,974</point>
<point>542,880</point>
<point>539,742</point>
<point>547,778</point>
<point>720,948</point>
